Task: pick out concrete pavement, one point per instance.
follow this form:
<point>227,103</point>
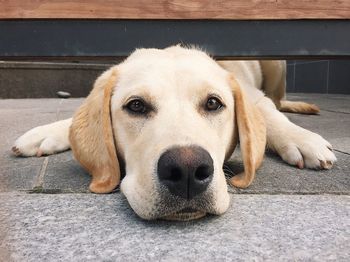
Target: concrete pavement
<point>47,214</point>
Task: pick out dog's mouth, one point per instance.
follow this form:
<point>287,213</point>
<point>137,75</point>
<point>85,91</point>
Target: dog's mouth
<point>185,214</point>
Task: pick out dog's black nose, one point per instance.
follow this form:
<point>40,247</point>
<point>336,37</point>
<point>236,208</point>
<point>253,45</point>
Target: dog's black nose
<point>185,171</point>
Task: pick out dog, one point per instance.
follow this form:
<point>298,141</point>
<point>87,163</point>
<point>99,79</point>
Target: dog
<point>165,120</point>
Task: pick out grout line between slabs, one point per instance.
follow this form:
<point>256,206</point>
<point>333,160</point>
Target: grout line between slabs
<point>59,109</point>
<point>334,111</point>
<point>39,180</point>
<point>342,152</point>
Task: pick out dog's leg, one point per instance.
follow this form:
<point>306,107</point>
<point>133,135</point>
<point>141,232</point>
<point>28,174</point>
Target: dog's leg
<point>274,86</point>
<point>44,140</point>
<point>296,145</point>
<point>274,80</point>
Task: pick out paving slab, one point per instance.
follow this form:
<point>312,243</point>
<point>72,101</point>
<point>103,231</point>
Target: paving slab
<point>64,174</point>
<point>333,123</point>
<point>88,227</point>
<point>334,127</point>
<point>67,107</point>
<point>327,102</point>
<point>19,178</point>
<point>277,177</point>
<point>18,116</point>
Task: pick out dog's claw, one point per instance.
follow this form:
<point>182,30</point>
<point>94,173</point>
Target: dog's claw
<point>16,151</point>
<point>300,164</point>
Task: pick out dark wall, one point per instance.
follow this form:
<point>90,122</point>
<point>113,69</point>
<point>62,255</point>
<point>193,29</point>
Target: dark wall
<point>318,76</point>
<point>38,79</point>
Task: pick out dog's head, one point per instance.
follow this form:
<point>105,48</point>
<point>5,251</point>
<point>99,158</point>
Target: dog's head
<point>172,117</point>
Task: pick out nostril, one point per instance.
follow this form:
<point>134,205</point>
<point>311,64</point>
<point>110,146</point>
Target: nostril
<point>202,173</point>
<point>175,174</point>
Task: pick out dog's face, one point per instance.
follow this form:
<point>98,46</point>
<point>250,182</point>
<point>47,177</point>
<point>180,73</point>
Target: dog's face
<point>173,120</point>
<point>173,117</point>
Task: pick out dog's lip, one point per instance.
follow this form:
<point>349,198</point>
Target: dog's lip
<point>185,214</point>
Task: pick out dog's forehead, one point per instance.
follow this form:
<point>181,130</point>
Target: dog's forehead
<point>170,67</point>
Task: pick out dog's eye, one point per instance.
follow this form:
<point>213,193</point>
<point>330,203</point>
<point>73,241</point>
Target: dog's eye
<point>213,104</point>
<point>137,106</point>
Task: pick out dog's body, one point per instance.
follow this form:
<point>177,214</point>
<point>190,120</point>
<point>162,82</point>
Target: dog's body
<point>174,116</point>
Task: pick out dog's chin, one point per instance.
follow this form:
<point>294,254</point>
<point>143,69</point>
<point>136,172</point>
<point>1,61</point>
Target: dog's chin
<point>166,206</point>
<point>185,214</point>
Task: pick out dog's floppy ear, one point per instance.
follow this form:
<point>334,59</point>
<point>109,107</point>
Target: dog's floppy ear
<point>252,135</point>
<point>91,135</point>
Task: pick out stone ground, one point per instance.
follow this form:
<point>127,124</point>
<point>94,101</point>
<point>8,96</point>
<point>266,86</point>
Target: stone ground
<point>47,213</point>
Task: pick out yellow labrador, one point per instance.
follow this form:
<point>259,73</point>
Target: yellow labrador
<point>172,117</point>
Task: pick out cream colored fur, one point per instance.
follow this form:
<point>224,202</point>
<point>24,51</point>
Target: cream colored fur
<point>177,81</point>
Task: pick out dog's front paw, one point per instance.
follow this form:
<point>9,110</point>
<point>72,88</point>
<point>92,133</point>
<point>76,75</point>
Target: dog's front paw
<point>42,140</point>
<point>303,148</point>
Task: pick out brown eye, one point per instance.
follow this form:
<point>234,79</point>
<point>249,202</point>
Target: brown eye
<point>213,104</point>
<point>136,106</point>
